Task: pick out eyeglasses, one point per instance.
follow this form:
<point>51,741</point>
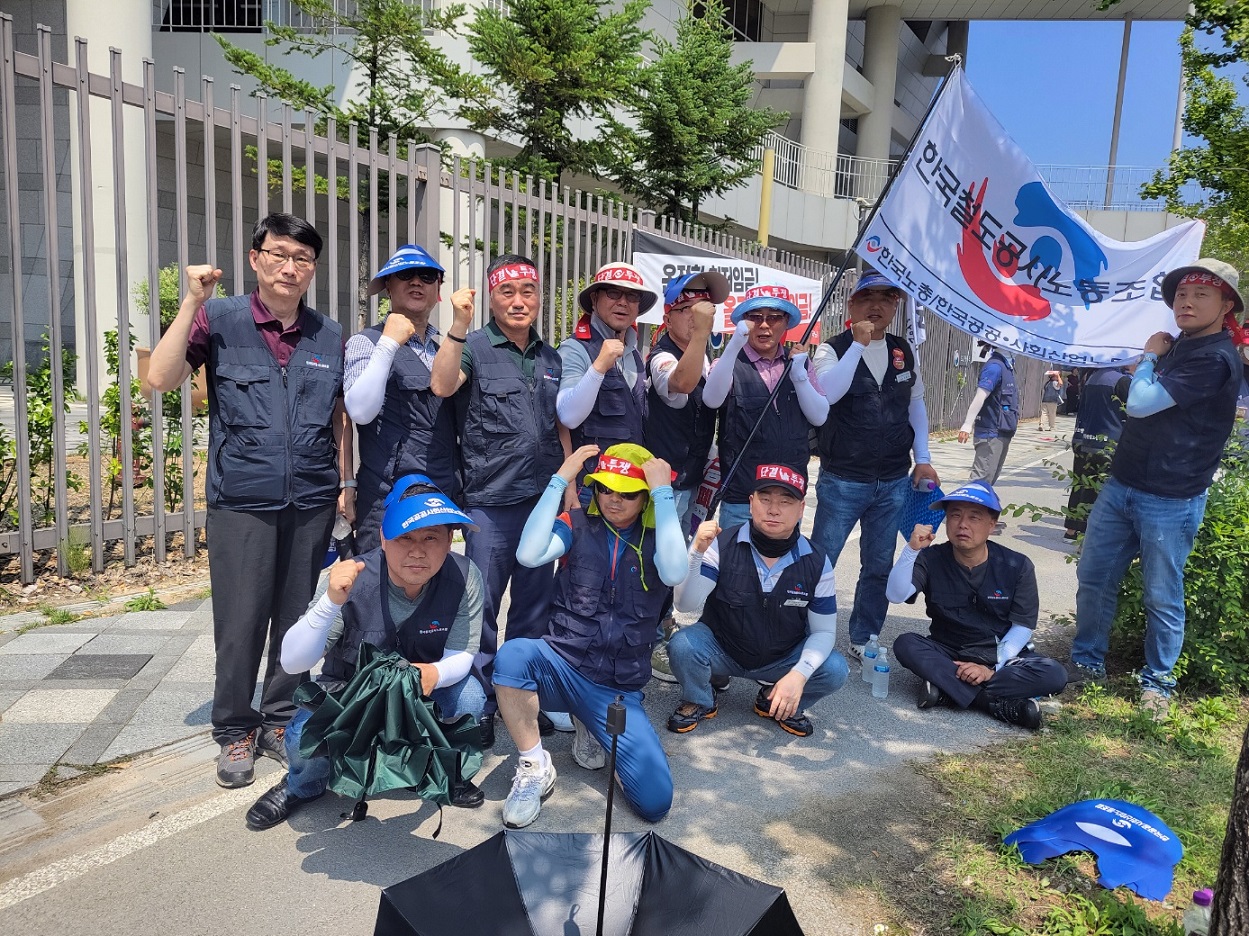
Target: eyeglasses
<point>602,489</point>
<point>771,318</point>
<point>424,274</point>
<point>628,295</point>
<point>279,259</point>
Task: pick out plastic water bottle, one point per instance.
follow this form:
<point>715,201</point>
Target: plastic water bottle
<point>880,674</point>
<point>343,539</point>
<point>869,657</point>
<point>1197,916</point>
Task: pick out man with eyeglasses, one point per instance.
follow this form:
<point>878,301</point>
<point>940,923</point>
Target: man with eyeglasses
<point>505,380</point>
<point>876,419</point>
<point>739,385</point>
<point>279,447</point>
<point>602,391</point>
<point>403,426</point>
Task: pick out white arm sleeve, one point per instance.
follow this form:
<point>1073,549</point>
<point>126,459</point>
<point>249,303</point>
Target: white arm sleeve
<point>304,644</point>
<point>901,584</point>
<point>573,404</point>
<point>917,412</point>
<point>1010,646</point>
<point>364,398</point>
<point>836,374</point>
<point>819,643</point>
<point>811,400</point>
<point>692,593</point>
<point>720,380</point>
<point>973,411</point>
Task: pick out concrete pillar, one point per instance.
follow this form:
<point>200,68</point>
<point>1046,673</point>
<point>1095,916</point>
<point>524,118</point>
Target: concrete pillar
<point>956,35</point>
<point>821,105</point>
<point>880,67</point>
<point>128,27</point>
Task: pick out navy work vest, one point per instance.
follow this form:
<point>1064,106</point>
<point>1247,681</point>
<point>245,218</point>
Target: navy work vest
<point>754,628</point>
<point>1000,413</point>
<point>605,627</point>
<point>414,432</point>
<point>366,617</point>
<point>782,436</point>
<point>509,442</point>
<point>270,433</point>
<point>971,622</point>
<point>868,434</point>
<point>1099,419</point>
<point>1174,453</point>
<point>619,411</point>
<point>681,437</point>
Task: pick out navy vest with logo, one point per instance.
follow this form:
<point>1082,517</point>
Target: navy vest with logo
<point>1000,413</point>
<point>782,437</point>
<point>868,434</point>
<point>1099,420</point>
<point>971,622</point>
<point>366,617</point>
<point>270,433</point>
<point>605,627</point>
<point>414,432</point>
<point>754,628</point>
<point>619,411</point>
<point>509,443</point>
<point>681,437</point>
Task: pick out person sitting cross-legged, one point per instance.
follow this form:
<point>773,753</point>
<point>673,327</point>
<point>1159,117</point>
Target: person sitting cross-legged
<point>411,594</point>
<point>769,611</point>
<point>982,599</point>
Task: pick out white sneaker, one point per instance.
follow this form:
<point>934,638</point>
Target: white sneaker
<point>534,781</point>
<point>856,652</point>
<point>561,720</point>
<point>586,750</point>
<point>1155,705</point>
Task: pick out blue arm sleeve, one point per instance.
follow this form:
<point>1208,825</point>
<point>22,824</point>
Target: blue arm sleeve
<point>1147,396</point>
<point>1015,640</point>
<point>670,555</point>
<point>539,541</point>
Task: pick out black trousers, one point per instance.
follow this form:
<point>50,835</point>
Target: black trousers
<point>1089,466</point>
<point>263,566</point>
<point>1028,675</point>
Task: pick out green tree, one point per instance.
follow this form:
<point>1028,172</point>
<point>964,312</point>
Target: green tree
<point>546,63</point>
<point>696,130</point>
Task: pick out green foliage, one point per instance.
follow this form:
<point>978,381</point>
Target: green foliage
<point>147,602</point>
<point>697,129</point>
<point>58,615</point>
<point>546,63</point>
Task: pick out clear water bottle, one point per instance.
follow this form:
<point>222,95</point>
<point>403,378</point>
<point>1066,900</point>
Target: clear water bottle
<point>342,539</point>
<point>1197,916</point>
<point>869,657</point>
<point>880,675</point>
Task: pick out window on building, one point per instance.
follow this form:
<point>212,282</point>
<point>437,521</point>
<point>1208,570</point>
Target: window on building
<point>212,16</point>
<point>745,16</point>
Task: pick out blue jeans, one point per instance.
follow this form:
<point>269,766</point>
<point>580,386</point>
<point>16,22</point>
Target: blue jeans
<point>307,777</point>
<point>1125,523</point>
<point>732,515</point>
<point>877,507</point>
<point>696,656</point>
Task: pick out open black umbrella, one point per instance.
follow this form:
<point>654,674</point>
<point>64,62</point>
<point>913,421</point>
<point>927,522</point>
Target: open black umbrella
<point>547,884</point>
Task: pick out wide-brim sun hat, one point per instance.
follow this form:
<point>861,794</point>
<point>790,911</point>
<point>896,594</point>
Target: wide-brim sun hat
<point>620,469</point>
<point>714,283</point>
<point>1216,268</point>
<point>768,297</point>
<point>407,257</point>
<point>622,276</point>
<point>407,512</point>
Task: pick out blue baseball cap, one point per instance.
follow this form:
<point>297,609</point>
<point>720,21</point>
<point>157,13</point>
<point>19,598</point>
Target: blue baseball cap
<point>712,282</point>
<point>407,512</point>
<point>872,281</point>
<point>973,492</point>
<point>407,257</point>
<point>1134,848</point>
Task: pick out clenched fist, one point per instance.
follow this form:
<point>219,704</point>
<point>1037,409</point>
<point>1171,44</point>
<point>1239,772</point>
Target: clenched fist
<point>921,536</point>
<point>342,577</point>
<point>612,351</point>
<point>201,280</point>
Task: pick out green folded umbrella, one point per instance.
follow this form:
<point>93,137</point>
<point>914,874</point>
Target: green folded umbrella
<point>380,734</point>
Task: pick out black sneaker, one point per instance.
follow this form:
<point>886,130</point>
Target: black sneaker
<point>467,795</point>
<point>236,764</point>
<point>1022,712</point>
<point>271,742</point>
<point>797,724</point>
<point>688,715</point>
<point>930,696</point>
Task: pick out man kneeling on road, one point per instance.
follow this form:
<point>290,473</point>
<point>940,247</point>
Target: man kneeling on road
<point>769,611</point>
<point>976,654</point>
<point>394,598</point>
<point>621,556</point>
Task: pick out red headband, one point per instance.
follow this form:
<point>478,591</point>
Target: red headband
<point>781,475</point>
<point>513,271</point>
<point>618,273</point>
<point>619,466</point>
<point>688,296</point>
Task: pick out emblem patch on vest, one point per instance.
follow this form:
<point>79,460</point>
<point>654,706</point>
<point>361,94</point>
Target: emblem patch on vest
<point>899,359</point>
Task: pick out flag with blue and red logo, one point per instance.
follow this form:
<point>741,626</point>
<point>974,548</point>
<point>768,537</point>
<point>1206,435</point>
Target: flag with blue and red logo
<point>972,231</point>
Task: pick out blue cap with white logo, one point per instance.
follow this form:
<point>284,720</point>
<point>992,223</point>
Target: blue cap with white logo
<point>406,511</point>
<point>407,257</point>
<point>872,281</point>
<point>973,492</point>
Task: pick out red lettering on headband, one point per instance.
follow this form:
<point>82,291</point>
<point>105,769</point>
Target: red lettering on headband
<point>513,271</point>
<point>619,466</point>
<point>1196,278</point>
<point>694,296</point>
<point>771,292</point>
<point>616,274</point>
<point>782,474</point>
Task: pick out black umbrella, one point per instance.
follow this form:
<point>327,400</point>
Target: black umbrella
<point>547,884</point>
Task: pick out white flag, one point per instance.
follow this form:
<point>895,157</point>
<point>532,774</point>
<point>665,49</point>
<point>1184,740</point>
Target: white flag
<point>970,229</point>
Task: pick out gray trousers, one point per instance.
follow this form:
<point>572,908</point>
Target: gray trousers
<point>263,566</point>
<point>990,456</point>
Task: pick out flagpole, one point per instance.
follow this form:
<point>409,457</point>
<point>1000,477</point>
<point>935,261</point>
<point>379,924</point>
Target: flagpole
<point>956,61</point>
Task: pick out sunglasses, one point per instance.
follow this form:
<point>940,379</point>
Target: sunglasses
<point>772,318</point>
<point>628,295</point>
<point>424,274</point>
<point>602,489</point>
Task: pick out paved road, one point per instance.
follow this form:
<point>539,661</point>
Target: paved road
<point>156,843</point>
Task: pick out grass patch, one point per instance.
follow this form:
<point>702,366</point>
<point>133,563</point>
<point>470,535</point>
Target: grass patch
<point>147,602</point>
<point>1098,746</point>
<point>58,615</point>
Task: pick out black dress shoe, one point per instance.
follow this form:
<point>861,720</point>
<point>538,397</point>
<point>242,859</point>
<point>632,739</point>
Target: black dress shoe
<point>930,696</point>
<point>274,807</point>
<point>486,724</point>
<point>467,795</point>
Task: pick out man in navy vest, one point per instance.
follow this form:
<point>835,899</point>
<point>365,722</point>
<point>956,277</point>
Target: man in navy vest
<point>621,556</point>
<point>1099,423</point>
<point>403,427</point>
<point>411,595</point>
<point>505,380</point>
<point>976,655</point>
<point>602,390</point>
<point>279,446</point>
<point>740,382</point>
<point>769,611</point>
<point>993,416</point>
<point>876,419</point>
<point>1181,409</point>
